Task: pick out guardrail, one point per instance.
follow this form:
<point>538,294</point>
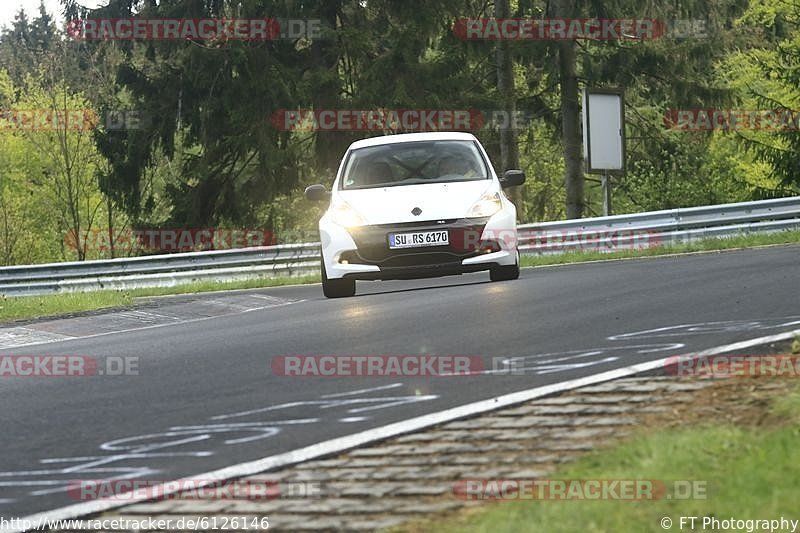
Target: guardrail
<point>655,228</point>
<point>619,232</point>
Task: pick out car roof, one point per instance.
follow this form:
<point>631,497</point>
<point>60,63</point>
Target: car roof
<point>412,137</point>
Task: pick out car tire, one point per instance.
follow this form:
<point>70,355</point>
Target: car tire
<point>336,288</point>
<point>505,273</point>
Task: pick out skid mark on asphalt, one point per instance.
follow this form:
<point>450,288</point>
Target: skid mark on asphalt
<point>149,316</point>
<point>361,391</point>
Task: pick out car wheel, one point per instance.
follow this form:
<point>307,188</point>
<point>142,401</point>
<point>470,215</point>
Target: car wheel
<point>505,273</point>
<point>337,288</point>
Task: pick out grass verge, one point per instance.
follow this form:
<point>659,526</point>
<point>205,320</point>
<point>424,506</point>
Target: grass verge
<point>63,304</point>
<point>750,471</point>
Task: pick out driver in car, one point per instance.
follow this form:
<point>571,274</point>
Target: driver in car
<point>452,166</point>
<point>448,166</point>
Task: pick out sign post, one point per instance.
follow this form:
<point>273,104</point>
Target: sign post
<point>604,136</point>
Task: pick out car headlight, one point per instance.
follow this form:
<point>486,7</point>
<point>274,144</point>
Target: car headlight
<point>344,215</point>
<point>486,206</point>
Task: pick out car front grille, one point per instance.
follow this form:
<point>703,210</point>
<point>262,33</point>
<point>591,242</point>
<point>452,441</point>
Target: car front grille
<point>373,245</point>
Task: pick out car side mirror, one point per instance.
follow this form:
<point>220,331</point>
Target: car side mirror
<point>317,193</point>
<point>512,178</point>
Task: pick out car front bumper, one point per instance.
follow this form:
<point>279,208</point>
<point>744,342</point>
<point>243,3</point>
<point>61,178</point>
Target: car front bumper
<point>363,253</point>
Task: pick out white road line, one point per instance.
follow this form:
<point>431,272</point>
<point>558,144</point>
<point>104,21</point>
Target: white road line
<point>354,392</point>
<point>381,401</point>
<point>348,442</point>
<point>147,455</point>
<point>246,425</point>
<point>349,419</point>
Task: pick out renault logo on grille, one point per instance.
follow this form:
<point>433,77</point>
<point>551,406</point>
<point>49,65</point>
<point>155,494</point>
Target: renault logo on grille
<point>416,211</point>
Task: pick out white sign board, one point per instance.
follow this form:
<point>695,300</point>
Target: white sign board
<point>604,131</point>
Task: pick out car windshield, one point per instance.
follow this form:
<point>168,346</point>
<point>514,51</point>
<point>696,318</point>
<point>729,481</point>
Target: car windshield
<point>412,163</point>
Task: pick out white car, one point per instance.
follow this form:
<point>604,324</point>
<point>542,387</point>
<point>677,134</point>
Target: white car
<point>415,206</point>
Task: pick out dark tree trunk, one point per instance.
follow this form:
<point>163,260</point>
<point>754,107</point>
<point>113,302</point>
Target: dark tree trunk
<point>509,149</point>
<point>570,118</point>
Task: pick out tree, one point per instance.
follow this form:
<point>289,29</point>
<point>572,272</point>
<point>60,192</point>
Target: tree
<point>69,155</point>
<point>570,116</point>
<point>766,77</point>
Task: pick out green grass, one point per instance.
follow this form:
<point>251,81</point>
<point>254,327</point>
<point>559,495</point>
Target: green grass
<point>706,245</point>
<point>60,304</point>
<point>749,472</point>
<point>66,303</point>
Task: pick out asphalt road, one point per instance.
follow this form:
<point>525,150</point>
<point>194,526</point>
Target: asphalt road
<point>206,397</point>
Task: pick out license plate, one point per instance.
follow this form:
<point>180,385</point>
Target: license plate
<point>418,238</point>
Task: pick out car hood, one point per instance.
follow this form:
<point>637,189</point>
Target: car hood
<point>388,205</point>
